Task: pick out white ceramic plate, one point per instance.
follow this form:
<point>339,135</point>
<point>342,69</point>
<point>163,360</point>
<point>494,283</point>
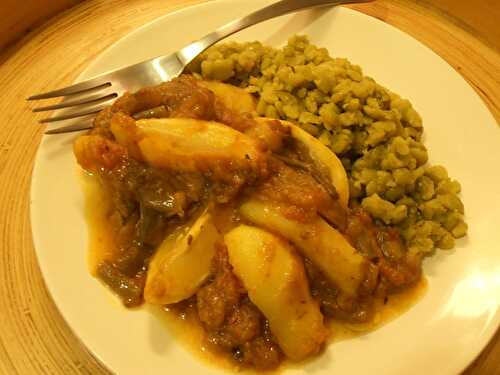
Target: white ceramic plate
<point>440,335</point>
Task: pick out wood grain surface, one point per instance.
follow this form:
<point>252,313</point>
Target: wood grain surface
<point>479,17</point>
<point>17,19</point>
<point>34,339</point>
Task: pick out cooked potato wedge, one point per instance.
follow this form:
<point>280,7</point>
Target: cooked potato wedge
<point>181,263</point>
<point>323,245</point>
<point>188,144</point>
<point>324,158</point>
<point>276,283</point>
<point>234,98</point>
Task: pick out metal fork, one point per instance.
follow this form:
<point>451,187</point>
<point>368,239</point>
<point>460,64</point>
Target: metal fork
<point>93,95</point>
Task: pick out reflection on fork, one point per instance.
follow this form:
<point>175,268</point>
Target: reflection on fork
<point>83,100</point>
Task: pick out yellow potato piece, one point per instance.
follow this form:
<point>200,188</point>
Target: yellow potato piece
<point>323,245</point>
<point>181,263</point>
<point>234,98</point>
<point>324,158</point>
<point>189,144</point>
<point>276,283</point>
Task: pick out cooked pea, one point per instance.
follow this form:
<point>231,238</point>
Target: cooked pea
<point>460,230</point>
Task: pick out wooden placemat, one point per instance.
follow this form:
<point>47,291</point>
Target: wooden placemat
<point>34,339</point>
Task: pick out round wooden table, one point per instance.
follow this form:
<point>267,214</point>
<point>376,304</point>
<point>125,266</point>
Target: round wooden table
<point>34,339</point>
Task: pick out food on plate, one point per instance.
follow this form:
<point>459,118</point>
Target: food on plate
<point>316,240</point>
<point>181,263</point>
<point>375,133</point>
<point>221,203</point>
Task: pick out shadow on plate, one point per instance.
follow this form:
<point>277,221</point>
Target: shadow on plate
<point>296,25</point>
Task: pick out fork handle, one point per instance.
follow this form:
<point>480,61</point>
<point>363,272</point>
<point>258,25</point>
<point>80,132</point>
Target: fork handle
<point>188,53</point>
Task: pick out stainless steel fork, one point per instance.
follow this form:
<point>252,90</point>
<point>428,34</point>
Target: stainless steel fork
<point>93,95</point>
